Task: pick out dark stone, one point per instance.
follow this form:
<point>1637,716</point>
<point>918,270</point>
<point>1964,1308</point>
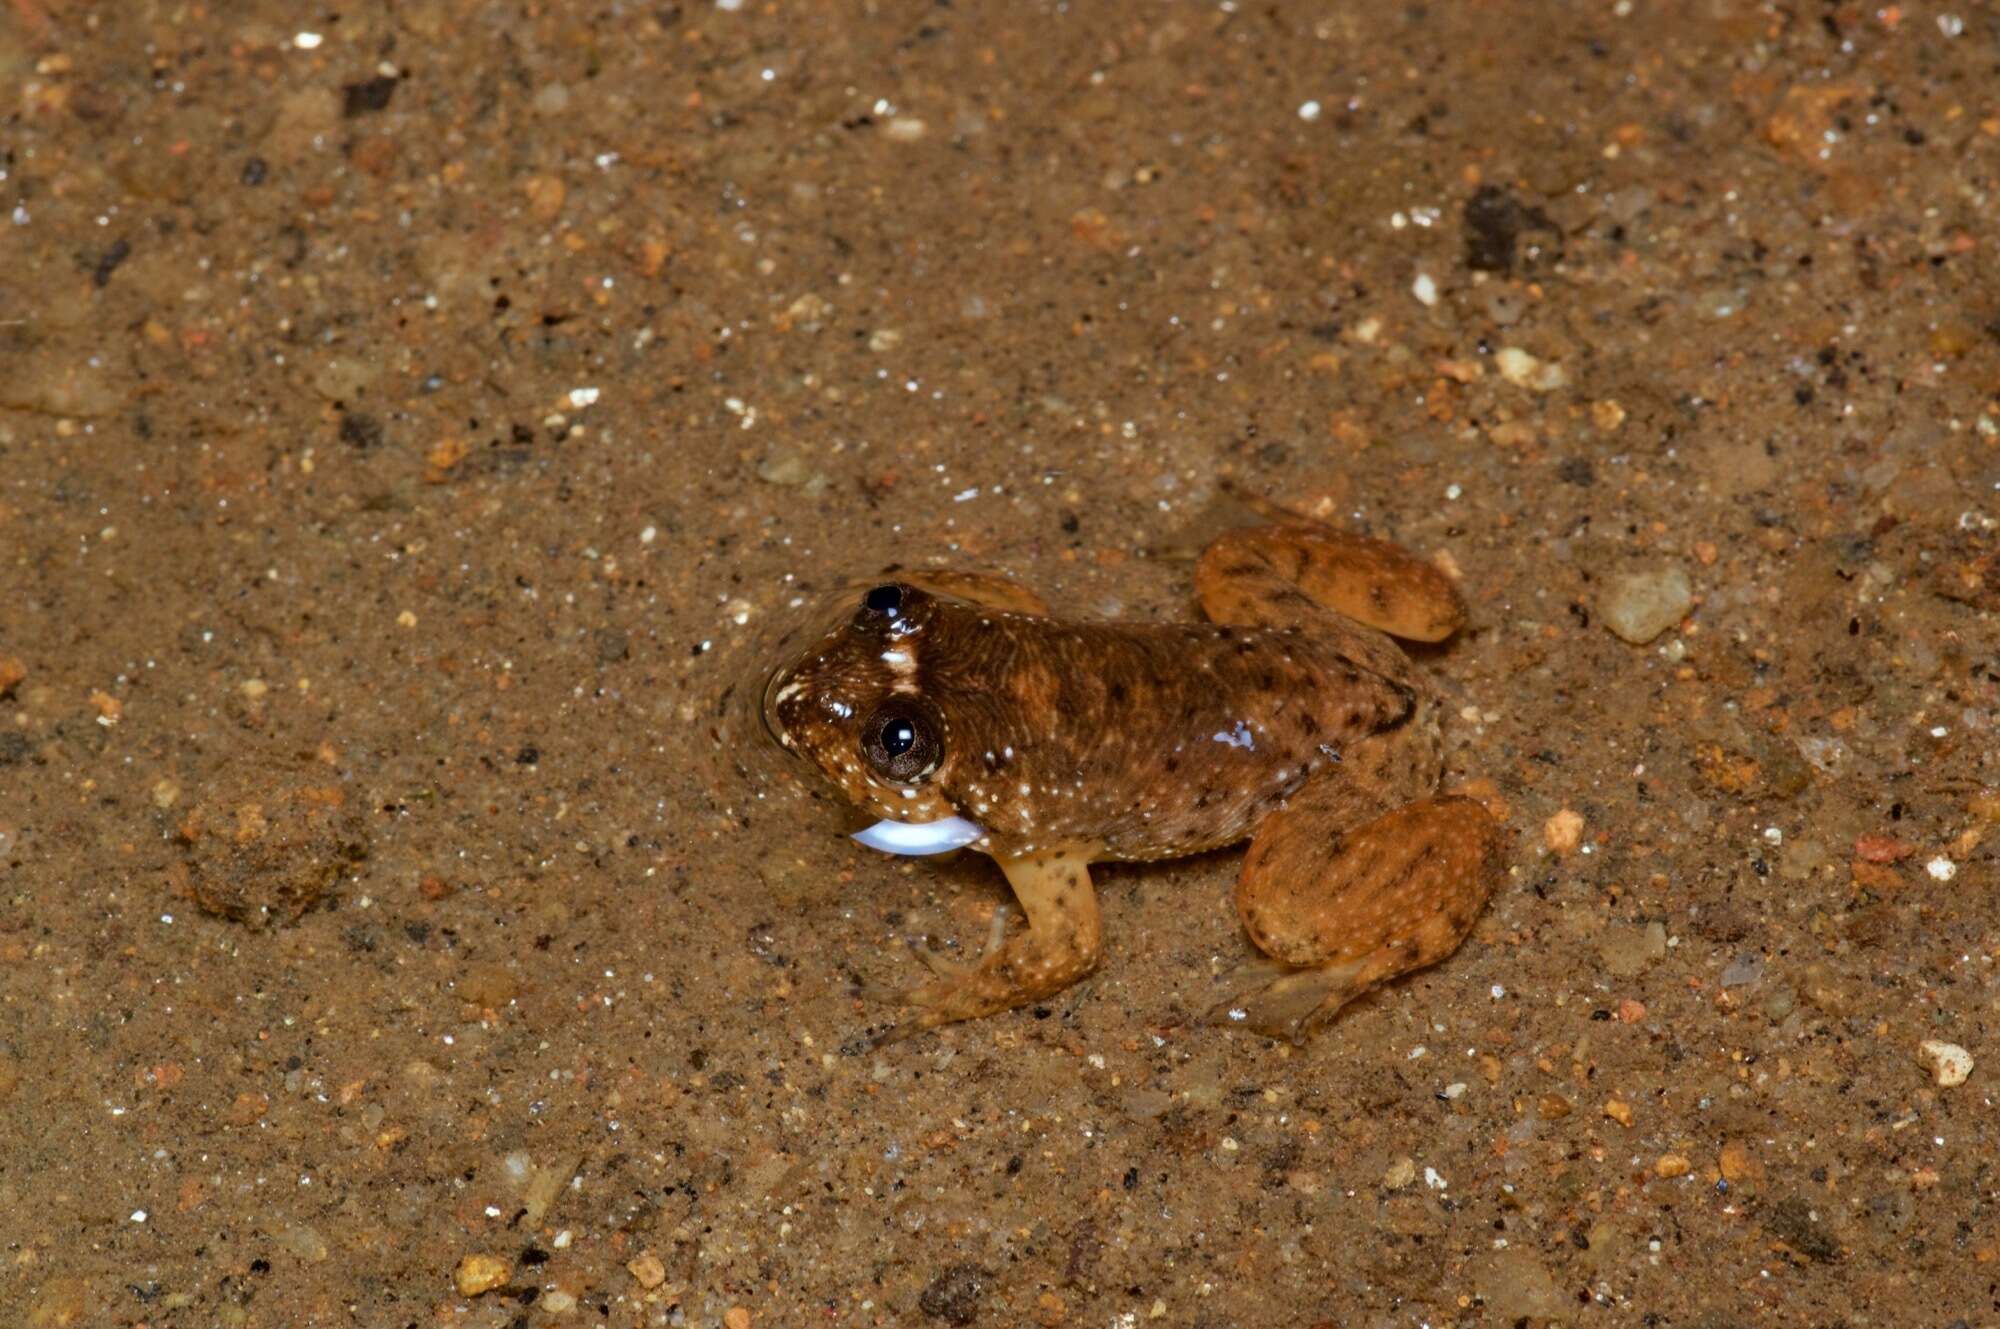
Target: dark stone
<point>612,646</point>
<point>13,749</point>
<point>953,1296</point>
<point>1501,232</point>
<point>255,171</point>
<point>108,262</point>
<point>360,430</point>
<point>1576,471</point>
<point>1791,1221</point>
<point>367,96</point>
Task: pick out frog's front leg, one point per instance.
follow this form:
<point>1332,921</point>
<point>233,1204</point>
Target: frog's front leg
<point>1063,942</point>
<point>1342,911</point>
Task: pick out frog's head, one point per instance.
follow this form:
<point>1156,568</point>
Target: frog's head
<point>852,705</point>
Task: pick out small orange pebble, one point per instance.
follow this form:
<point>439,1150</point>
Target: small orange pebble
<point>1670,1165</point>
<point>1737,1164</point>
<point>1706,553</point>
<point>447,453</point>
<point>109,708</point>
<point>1619,1111</point>
<point>481,1273</point>
<point>647,1268</point>
<point>1630,1011</point>
<point>1882,849</point>
<point>1563,831</point>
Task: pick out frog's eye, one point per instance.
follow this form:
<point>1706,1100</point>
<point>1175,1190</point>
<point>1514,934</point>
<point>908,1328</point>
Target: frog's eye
<point>901,741</point>
<point>884,601</point>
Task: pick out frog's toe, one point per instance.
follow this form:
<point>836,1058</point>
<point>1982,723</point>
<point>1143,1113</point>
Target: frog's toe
<point>957,970</point>
<point>1294,1003</point>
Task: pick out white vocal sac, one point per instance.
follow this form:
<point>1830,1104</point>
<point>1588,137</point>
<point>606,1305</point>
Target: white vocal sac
<point>920,837</point>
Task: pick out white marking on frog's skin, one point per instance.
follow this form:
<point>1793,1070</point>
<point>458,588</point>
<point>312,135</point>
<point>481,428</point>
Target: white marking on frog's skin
<point>903,665</point>
<point>1240,737</point>
<point>790,690</point>
<point>919,838</point>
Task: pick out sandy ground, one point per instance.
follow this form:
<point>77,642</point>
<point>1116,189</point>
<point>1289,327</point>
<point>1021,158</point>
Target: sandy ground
<point>416,419</point>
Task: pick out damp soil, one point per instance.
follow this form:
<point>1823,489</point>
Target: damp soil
<point>418,420</point>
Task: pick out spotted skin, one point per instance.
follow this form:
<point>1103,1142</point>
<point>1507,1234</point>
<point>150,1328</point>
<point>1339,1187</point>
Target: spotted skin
<point>1291,719</point>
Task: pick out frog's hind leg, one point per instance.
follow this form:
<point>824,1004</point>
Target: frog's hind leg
<point>1276,574</point>
<point>1345,911</point>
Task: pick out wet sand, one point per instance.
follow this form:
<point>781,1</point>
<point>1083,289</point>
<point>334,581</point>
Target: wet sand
<point>416,422</point>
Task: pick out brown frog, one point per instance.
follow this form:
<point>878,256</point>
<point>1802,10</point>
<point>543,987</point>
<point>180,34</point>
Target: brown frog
<point>954,708</point>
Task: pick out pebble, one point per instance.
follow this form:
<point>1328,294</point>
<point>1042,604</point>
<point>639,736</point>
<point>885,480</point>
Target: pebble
<point>646,1267</point>
<point>1639,606</point>
<point>304,1241</point>
<point>481,1273</point>
<point>1400,1174</point>
<point>954,1295</point>
<point>1744,970</point>
<point>1950,1064</point>
<point>1562,831</point>
<point>266,843</point>
<point>789,470</point>
<point>1736,1163</point>
<point>1526,371</point>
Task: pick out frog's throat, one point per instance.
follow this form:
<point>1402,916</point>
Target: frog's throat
<point>925,837</point>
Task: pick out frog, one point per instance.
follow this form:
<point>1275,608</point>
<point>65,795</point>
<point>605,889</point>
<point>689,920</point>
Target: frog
<point>955,708</point>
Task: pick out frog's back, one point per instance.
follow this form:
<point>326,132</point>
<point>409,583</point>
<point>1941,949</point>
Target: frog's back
<point>1141,740</point>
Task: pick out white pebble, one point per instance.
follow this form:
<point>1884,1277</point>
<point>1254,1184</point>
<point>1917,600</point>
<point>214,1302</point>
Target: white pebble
<point>1309,111</point>
<point>1639,606</point>
<point>1941,868</point>
<point>1949,1062</point>
<point>1425,288</point>
<point>1525,371</point>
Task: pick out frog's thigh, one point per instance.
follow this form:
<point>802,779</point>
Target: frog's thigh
<point>1240,577</point>
<point>1350,910</point>
<point>989,589</point>
<point>1063,942</point>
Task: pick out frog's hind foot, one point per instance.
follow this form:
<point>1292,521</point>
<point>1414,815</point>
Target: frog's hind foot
<point>1273,574</point>
<point>1292,1004</point>
<point>1343,912</point>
